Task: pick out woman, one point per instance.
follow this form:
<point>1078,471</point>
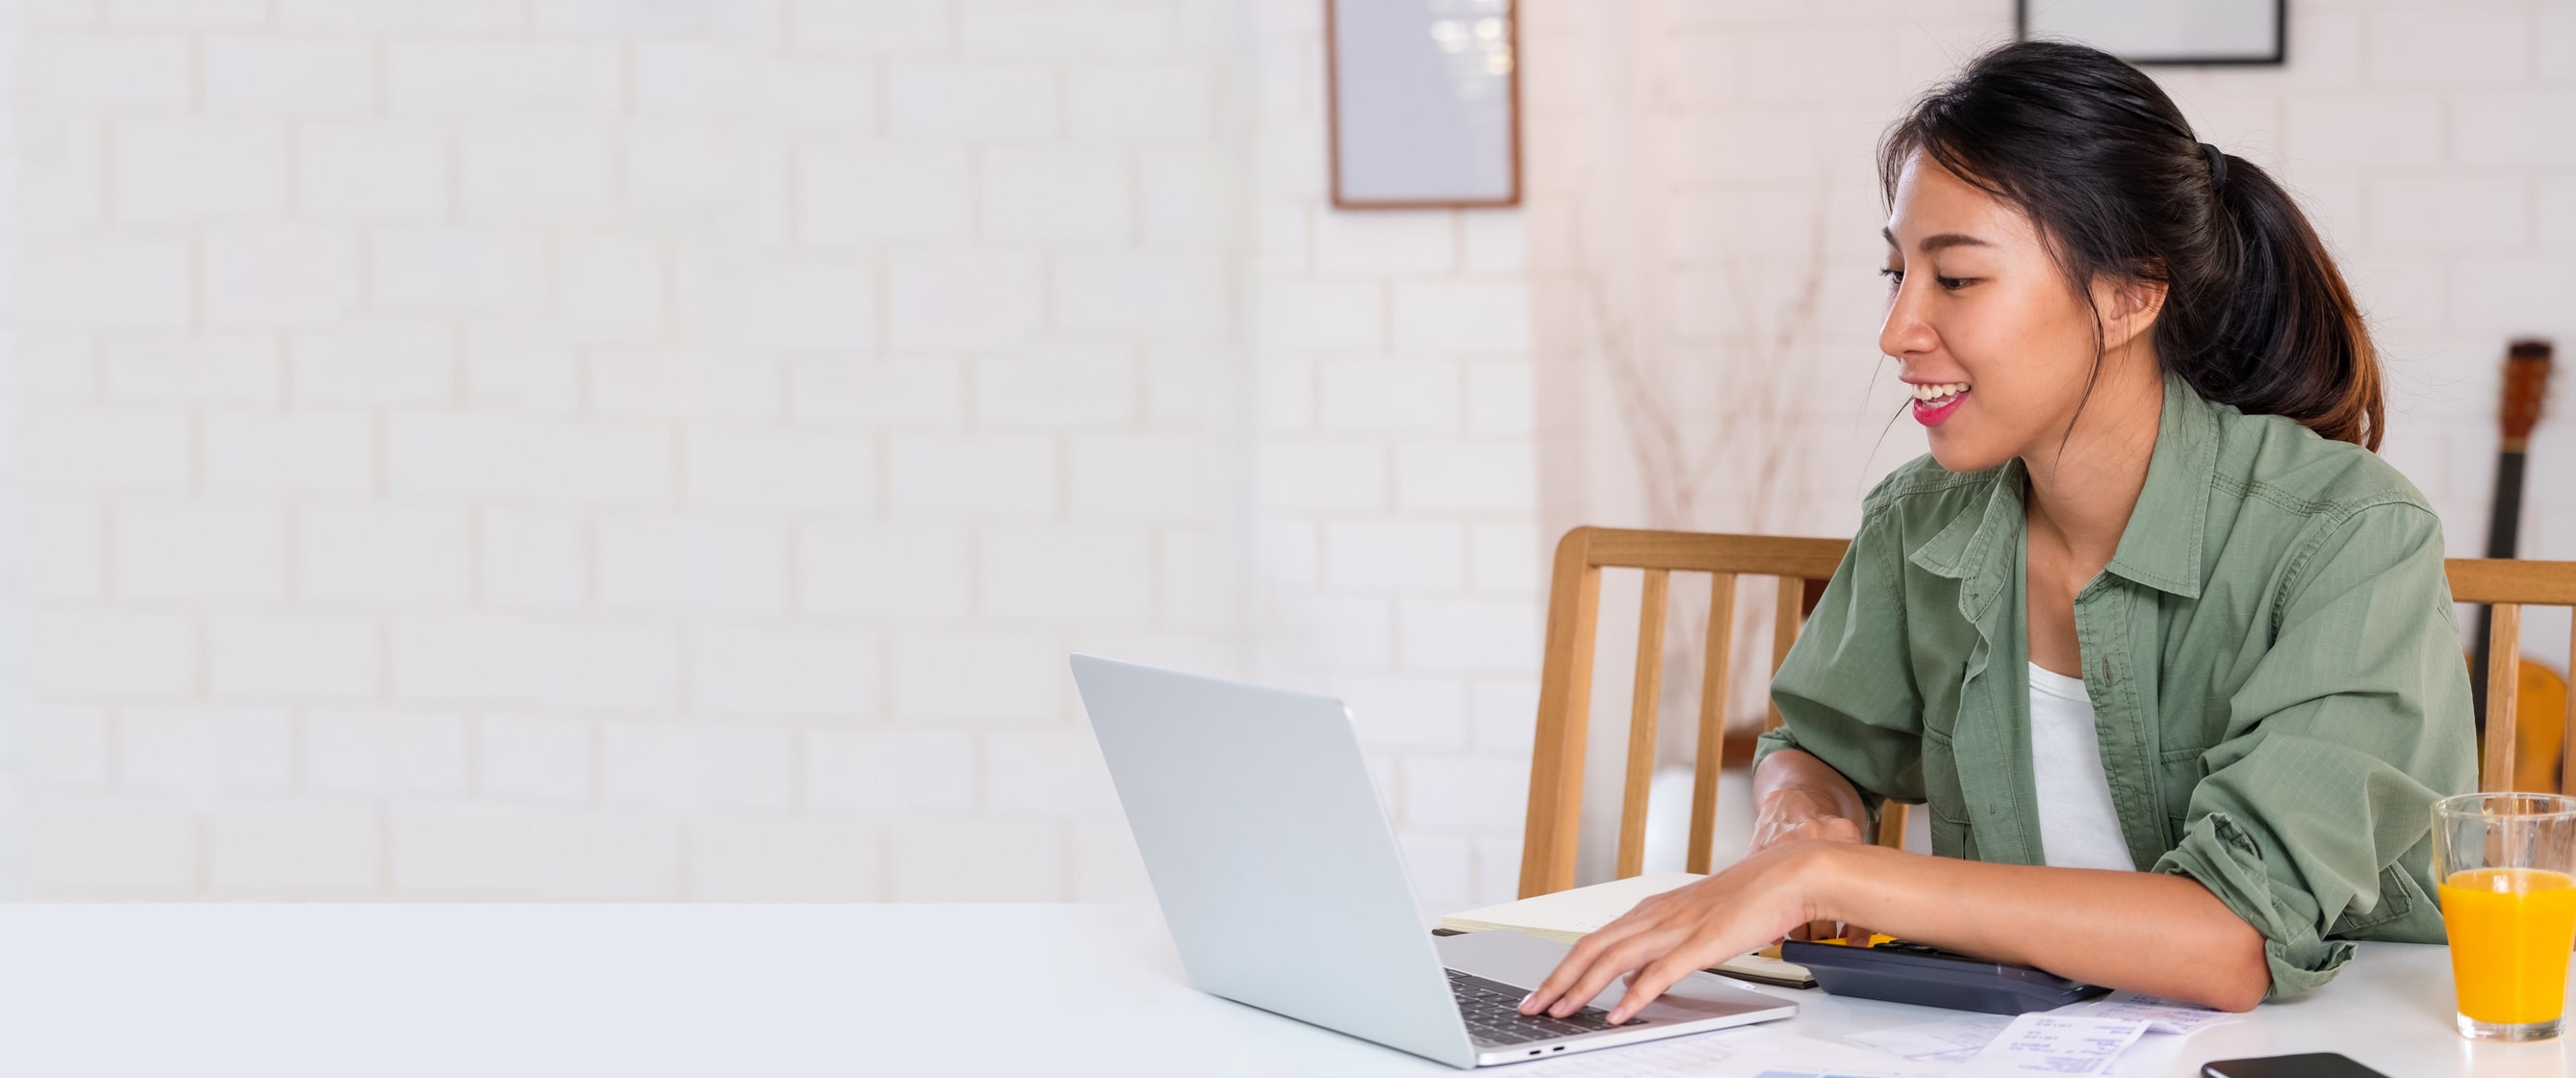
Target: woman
<point>2166,648</point>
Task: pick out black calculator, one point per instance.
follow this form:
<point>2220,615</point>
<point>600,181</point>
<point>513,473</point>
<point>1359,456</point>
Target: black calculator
<point>1901,972</point>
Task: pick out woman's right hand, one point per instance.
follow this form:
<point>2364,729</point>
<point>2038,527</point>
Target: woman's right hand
<point>1796,812</point>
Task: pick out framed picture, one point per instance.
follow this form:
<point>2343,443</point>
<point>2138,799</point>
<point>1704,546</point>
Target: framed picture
<point>2165,31</point>
<point>1423,103</point>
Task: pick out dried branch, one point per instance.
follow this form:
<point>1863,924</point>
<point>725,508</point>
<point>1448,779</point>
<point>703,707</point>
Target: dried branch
<point>1673,477</point>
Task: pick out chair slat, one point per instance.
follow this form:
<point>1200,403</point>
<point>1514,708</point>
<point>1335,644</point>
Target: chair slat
<point>2504,693</point>
<point>2511,580</point>
<point>1758,555</point>
<point>1564,709</point>
<point>1713,690</point>
<point>1784,630</point>
<point>1648,692</point>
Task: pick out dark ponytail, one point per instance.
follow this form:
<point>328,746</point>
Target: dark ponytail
<point>2256,315</point>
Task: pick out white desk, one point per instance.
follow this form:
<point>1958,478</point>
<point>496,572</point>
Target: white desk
<point>761,991</point>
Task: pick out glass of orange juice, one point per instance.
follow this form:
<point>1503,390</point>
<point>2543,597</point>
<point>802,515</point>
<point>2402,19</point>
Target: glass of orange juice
<point>2507,862</point>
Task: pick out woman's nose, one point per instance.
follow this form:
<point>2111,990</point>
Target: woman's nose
<point>1905,330</point>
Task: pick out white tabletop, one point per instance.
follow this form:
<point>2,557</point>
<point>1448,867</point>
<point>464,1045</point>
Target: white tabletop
<point>854,990</point>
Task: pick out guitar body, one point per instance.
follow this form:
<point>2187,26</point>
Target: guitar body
<point>2539,739</point>
<point>2540,727</point>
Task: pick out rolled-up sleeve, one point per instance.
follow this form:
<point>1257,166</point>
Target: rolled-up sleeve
<point>1846,689</point>
<point>2351,723</point>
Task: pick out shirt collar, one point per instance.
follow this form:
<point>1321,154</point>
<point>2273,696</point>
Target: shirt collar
<point>1977,547</point>
<point>2160,546</point>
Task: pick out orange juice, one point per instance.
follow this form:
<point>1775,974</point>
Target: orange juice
<point>2511,930</point>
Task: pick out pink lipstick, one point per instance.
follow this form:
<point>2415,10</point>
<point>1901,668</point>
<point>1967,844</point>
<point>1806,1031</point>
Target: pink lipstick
<point>1935,401</point>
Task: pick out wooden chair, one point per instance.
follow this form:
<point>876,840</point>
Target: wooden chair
<point>1565,681</point>
<point>2521,749</point>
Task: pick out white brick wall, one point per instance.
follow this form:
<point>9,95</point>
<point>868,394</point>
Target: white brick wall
<point>665,451</point>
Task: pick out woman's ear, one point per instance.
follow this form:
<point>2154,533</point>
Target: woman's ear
<point>2128,310</point>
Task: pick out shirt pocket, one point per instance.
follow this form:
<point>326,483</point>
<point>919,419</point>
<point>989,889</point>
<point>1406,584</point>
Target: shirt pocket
<point>2398,896</point>
<point>1945,799</point>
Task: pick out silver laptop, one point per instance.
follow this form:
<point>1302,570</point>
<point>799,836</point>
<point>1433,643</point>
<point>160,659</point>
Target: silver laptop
<point>1281,883</point>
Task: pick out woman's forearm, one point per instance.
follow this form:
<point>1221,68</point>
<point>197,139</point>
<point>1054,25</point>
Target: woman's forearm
<point>2149,932</point>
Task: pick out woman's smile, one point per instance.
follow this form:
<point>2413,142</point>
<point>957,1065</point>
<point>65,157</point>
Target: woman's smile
<point>1935,403</point>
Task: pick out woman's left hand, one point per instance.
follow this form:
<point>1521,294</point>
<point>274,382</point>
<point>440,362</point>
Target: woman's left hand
<point>1669,936</point>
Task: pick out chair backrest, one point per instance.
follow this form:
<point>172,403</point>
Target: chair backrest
<point>2525,745</point>
<point>1565,683</point>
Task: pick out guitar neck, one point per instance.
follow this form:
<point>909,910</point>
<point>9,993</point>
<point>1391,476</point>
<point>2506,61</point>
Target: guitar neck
<point>2502,525</point>
<point>2506,521</point>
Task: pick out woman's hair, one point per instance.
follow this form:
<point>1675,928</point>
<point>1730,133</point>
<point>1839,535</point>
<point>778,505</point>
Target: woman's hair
<point>2255,313</point>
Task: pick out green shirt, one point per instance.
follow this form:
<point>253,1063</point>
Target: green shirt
<point>2272,657</point>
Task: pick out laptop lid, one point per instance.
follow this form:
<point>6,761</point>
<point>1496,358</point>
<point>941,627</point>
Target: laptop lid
<point>1274,865</point>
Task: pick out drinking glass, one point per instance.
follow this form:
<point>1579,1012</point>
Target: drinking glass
<point>2507,866</point>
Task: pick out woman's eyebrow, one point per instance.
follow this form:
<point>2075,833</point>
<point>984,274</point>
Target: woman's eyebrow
<point>1937,241</point>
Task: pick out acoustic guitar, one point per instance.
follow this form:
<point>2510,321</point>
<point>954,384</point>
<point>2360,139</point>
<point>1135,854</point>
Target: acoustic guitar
<point>2544,694</point>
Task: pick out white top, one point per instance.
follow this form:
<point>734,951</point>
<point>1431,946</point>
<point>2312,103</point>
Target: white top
<point>2078,827</point>
<point>1023,991</point>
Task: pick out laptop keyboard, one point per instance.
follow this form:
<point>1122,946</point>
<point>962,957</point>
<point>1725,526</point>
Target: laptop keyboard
<point>1492,1011</point>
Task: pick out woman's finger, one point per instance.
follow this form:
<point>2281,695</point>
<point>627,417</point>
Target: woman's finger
<point>1579,960</point>
<point>1646,916</point>
<point>1557,981</point>
<point>1569,971</point>
<point>1625,956</point>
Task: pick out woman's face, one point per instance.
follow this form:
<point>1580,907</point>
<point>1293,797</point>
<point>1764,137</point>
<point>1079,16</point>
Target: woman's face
<point>1995,345</point>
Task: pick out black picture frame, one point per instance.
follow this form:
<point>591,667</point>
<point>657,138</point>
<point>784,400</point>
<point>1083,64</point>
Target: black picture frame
<point>2279,55</point>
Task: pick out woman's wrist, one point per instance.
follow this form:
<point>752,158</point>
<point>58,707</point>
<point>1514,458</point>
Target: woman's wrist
<point>1821,873</point>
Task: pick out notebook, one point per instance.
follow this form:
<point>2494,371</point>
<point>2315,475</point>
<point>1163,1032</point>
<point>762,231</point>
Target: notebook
<point>1567,916</point>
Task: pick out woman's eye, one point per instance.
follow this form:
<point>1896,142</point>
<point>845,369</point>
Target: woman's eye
<point>1896,277</point>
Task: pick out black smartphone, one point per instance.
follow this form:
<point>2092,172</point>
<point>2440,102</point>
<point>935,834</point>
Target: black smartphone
<point>2309,1065</point>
